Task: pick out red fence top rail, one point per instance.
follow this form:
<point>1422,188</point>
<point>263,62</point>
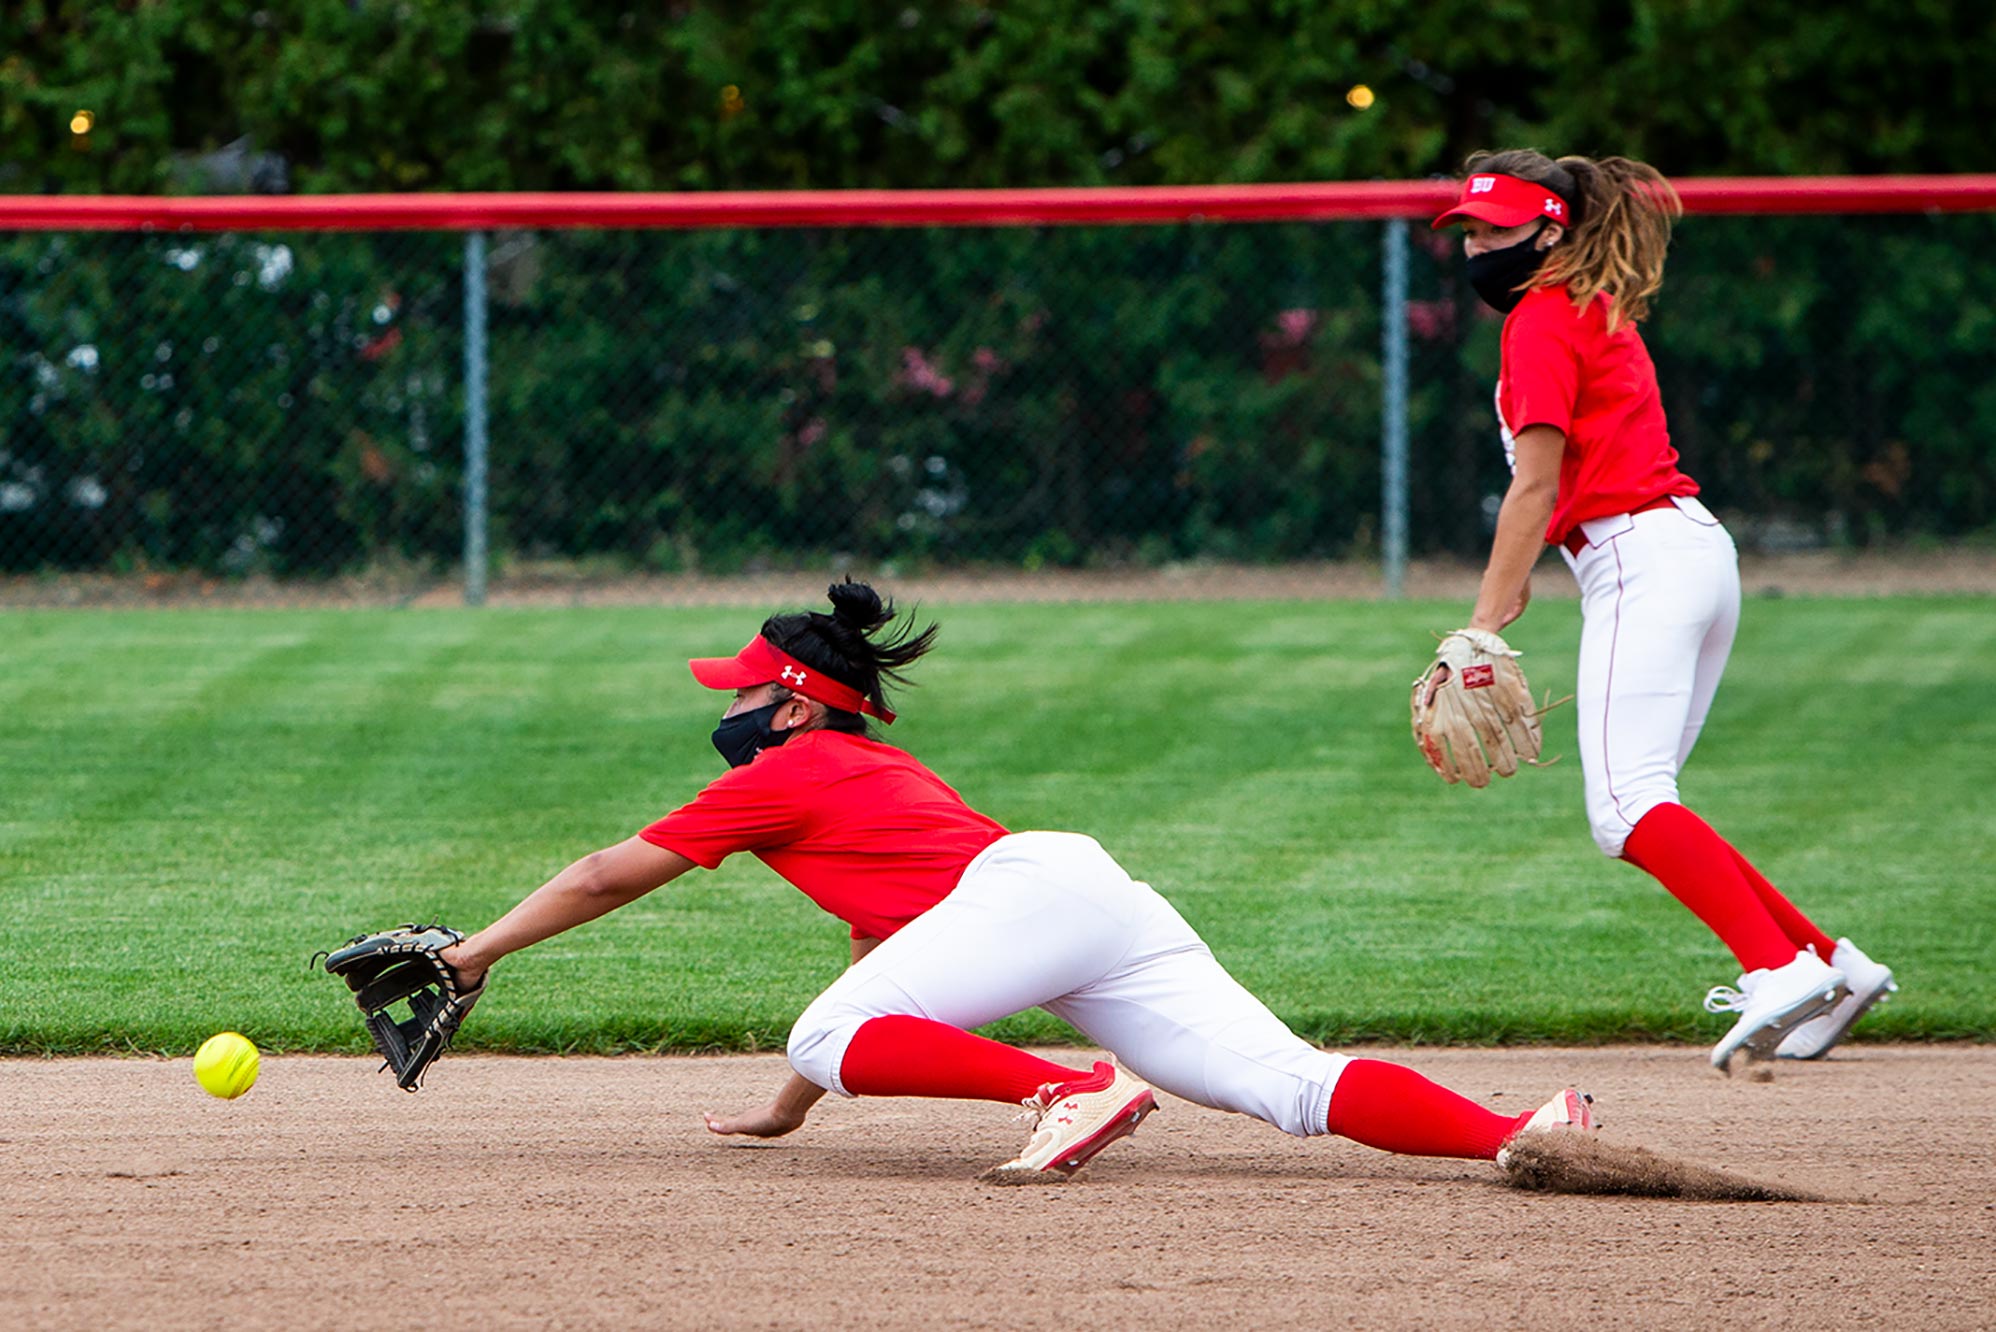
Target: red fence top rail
<point>930,208</point>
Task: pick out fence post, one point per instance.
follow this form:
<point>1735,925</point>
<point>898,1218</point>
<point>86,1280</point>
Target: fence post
<point>1393,408</point>
<point>474,419</point>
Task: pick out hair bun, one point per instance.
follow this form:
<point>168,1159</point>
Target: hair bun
<point>857,606</point>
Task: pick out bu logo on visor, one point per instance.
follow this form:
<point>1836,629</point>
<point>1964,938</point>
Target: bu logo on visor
<point>1482,184</point>
<point>1478,677</point>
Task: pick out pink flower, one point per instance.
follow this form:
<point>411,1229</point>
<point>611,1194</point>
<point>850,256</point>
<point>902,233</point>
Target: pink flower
<point>1296,326</point>
<point>917,373</point>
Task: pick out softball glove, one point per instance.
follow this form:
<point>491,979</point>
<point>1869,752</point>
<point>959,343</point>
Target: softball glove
<point>1473,711</point>
<point>406,964</point>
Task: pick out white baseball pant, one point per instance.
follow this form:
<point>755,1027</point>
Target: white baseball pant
<point>1050,920</point>
<point>1660,602</point>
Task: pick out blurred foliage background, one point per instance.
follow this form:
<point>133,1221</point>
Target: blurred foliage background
<point>711,401</point>
<point>563,94</point>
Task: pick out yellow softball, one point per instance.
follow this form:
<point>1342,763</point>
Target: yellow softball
<point>226,1065</point>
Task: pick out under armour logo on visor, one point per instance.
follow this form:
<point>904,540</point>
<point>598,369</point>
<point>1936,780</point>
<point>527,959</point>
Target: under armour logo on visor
<point>793,676</point>
<point>1555,208</point>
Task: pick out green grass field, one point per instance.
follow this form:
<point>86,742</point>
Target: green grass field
<point>192,803</point>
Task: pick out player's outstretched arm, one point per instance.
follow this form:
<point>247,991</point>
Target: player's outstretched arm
<point>593,886</point>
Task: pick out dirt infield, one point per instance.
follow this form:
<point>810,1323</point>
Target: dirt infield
<point>586,1193</point>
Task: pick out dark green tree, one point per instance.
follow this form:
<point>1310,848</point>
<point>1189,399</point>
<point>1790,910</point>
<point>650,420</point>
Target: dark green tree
<point>718,399</point>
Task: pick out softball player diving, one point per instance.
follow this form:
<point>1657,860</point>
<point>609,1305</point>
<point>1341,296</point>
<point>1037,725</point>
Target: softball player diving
<point>1572,251</point>
<point>957,922</point>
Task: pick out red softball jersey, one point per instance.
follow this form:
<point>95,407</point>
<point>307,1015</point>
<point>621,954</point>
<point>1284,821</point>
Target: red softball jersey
<point>1563,368</point>
<point>859,827</point>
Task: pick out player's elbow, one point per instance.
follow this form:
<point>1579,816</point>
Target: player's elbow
<point>592,877</point>
<point>1535,490</point>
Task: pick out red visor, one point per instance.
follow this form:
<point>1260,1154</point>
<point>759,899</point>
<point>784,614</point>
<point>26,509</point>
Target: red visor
<point>1505,201</point>
<point>762,662</point>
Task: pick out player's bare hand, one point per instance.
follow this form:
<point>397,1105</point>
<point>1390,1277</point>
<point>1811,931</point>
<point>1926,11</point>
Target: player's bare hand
<point>767,1121</point>
<point>785,1111</point>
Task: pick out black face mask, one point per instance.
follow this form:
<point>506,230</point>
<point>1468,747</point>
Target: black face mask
<point>746,734</point>
<point>1497,274</point>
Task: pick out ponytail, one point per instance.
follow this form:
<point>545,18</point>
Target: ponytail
<point>858,644</point>
<point>1622,210</point>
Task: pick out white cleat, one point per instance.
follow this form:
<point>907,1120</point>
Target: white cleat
<point>1075,1120</point>
<point>1570,1110</point>
<point>1869,983</point>
<point>1771,1003</point>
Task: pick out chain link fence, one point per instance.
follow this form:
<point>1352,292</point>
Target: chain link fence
<point>293,405</point>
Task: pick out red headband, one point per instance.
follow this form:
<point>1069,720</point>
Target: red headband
<point>1505,201</point>
<point>762,662</point>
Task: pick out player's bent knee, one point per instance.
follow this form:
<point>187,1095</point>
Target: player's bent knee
<point>818,1044</point>
<point>1610,836</point>
<point>1612,821</point>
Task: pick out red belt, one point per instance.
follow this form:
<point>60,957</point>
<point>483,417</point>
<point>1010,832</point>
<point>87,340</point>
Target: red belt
<point>1576,540</point>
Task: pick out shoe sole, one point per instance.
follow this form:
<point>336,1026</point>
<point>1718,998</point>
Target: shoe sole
<point>1760,1042</point>
<point>1119,1125</point>
<point>1878,995</point>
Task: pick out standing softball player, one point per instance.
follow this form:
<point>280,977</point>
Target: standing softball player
<point>1572,251</point>
<point>957,922</point>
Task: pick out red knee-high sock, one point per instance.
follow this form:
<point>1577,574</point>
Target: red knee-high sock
<point>1395,1109</point>
<point>1801,931</point>
<point>912,1056</point>
<point>1683,854</point>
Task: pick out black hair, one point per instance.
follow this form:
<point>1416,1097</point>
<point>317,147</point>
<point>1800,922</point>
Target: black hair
<point>850,646</point>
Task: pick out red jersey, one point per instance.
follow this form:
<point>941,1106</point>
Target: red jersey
<point>860,827</point>
<point>1563,368</point>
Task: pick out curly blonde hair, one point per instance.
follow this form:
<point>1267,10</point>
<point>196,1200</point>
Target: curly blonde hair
<point>1622,211</point>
